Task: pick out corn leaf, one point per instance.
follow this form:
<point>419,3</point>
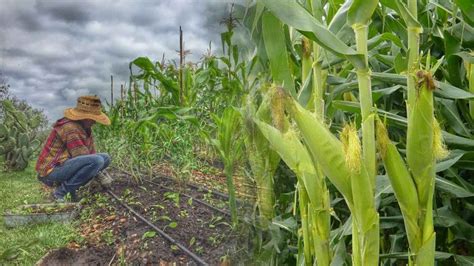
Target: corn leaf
<point>324,148</point>
<point>275,46</point>
<point>444,90</point>
<point>293,14</point>
<point>361,11</point>
<point>295,155</point>
<point>467,8</point>
<point>452,188</point>
<point>406,15</point>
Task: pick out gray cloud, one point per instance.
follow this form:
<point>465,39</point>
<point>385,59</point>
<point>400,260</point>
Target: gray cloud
<point>52,51</point>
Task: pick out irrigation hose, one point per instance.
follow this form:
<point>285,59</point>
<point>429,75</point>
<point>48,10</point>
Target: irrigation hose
<point>162,233</point>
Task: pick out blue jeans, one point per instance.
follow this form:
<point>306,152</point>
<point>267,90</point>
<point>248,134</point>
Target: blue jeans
<point>75,173</point>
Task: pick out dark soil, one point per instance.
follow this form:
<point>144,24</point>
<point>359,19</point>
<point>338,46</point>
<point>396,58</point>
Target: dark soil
<point>199,228</point>
<point>111,233</point>
<point>88,256</point>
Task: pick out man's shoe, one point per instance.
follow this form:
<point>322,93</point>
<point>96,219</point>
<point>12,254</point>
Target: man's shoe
<point>104,179</point>
<point>57,198</point>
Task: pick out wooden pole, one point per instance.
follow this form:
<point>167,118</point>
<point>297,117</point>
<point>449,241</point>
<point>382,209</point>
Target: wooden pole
<point>111,91</point>
<point>181,61</point>
<point>121,98</point>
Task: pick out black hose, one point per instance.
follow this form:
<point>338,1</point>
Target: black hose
<point>165,235</point>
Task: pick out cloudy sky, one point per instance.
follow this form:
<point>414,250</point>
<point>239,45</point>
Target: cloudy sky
<point>51,51</point>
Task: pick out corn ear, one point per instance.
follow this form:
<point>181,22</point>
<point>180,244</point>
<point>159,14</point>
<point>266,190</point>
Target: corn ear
<point>295,155</point>
<point>420,156</point>
<point>312,192</point>
<point>402,184</point>
<point>324,148</point>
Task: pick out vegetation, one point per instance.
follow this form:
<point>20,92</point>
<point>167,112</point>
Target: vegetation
<point>21,130</point>
<point>352,121</point>
<point>25,245</point>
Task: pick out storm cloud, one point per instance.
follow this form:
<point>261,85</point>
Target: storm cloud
<point>52,51</point>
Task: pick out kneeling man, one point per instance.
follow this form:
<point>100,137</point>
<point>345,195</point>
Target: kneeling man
<point>68,159</point>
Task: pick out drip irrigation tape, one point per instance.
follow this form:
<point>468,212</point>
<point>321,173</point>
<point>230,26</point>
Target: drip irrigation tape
<point>165,235</point>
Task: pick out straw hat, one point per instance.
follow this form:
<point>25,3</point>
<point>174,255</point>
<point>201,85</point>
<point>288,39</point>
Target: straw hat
<point>88,107</point>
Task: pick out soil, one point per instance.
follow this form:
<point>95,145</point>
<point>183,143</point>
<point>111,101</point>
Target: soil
<point>199,228</point>
<point>70,257</point>
<point>111,234</point>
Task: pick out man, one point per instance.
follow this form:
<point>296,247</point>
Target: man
<point>68,158</point>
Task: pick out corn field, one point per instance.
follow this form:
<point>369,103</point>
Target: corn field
<point>351,120</point>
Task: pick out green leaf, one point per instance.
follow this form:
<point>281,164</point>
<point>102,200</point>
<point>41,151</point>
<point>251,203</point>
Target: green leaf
<point>376,94</point>
<point>258,13</point>
<point>457,140</point>
<point>386,36</point>
<point>452,188</point>
<point>452,117</point>
<point>293,14</point>
<point>444,90</point>
<point>361,11</point>
<point>453,157</point>
<point>149,234</point>
<point>173,224</point>
<point>400,63</point>
<point>449,91</point>
<point>275,46</point>
<point>406,15</point>
<point>461,229</point>
<point>464,260</point>
<point>354,107</point>
<point>289,224</point>
<point>467,8</point>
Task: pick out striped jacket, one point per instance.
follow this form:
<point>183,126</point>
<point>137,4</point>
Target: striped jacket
<point>67,139</point>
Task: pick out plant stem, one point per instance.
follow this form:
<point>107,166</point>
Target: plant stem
<point>229,172</point>
<point>365,98</point>
<point>471,89</point>
<point>413,56</point>
<point>305,226</point>
<point>365,221</point>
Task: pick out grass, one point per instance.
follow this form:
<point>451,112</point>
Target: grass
<point>25,245</point>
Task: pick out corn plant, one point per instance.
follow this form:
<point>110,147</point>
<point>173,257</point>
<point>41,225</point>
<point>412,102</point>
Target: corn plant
<point>229,144</point>
<point>262,159</point>
<point>365,220</point>
<point>312,192</point>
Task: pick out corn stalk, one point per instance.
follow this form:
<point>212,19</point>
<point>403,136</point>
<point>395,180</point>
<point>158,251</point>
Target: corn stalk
<point>410,16</point>
<point>325,149</point>
<point>228,145</point>
<point>470,77</point>
<point>312,192</point>
<point>262,159</point>
<point>365,223</point>
<point>414,188</point>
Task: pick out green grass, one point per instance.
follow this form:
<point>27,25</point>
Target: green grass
<point>27,244</point>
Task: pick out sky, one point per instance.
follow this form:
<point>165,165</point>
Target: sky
<point>52,51</point>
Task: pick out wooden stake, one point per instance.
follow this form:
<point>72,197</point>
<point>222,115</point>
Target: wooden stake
<point>122,92</point>
<point>181,62</point>
<point>111,91</point>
